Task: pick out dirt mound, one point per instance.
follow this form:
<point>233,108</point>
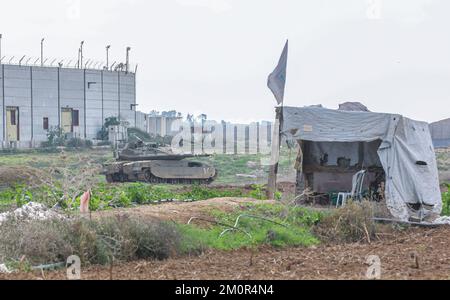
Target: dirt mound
<point>12,175</point>
<point>181,211</point>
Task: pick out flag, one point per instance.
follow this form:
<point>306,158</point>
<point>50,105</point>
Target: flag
<point>84,202</point>
<point>277,80</point>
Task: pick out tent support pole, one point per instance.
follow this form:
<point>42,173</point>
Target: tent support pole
<point>274,164</point>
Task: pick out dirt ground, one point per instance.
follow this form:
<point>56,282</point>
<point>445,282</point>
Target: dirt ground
<point>10,176</point>
<point>428,247</point>
<point>415,253</point>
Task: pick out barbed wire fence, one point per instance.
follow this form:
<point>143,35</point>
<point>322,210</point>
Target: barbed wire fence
<point>67,63</point>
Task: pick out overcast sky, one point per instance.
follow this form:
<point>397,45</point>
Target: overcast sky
<point>214,56</point>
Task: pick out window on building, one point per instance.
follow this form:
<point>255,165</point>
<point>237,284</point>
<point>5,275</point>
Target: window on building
<point>76,117</point>
<point>45,123</point>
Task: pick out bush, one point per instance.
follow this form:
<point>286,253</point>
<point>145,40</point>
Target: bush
<point>78,143</point>
<point>40,242</point>
<point>446,202</point>
<point>55,138</point>
<point>95,242</point>
<point>103,134</point>
<point>351,223</point>
<point>104,143</point>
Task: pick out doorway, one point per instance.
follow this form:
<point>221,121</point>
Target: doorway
<point>12,124</point>
<point>66,120</point>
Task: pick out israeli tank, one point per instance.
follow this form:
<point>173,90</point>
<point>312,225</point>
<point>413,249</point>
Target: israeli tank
<point>151,163</point>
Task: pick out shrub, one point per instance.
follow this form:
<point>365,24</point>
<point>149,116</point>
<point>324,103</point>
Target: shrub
<point>78,143</point>
<point>446,202</point>
<point>351,223</point>
<point>104,143</point>
<point>258,192</point>
<point>95,242</point>
<point>40,242</point>
<point>55,138</point>
<point>103,134</point>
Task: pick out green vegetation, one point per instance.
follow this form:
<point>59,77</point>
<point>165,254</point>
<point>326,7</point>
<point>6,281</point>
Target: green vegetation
<point>103,134</point>
<point>42,158</point>
<point>275,225</point>
<point>126,239</point>
<point>106,196</point>
<point>446,202</point>
<point>57,138</point>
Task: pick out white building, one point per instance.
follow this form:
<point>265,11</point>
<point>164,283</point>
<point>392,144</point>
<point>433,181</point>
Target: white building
<point>36,99</point>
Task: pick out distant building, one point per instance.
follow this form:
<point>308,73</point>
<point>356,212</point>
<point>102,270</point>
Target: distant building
<point>163,124</point>
<point>440,133</point>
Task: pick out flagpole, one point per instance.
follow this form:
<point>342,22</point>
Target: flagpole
<point>277,83</point>
<point>276,149</point>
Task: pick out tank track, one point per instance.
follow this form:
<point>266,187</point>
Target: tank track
<point>150,178</point>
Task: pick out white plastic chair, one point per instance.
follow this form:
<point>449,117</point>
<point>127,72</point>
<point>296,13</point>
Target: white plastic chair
<point>357,189</point>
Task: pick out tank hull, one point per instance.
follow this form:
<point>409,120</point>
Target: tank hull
<point>160,171</point>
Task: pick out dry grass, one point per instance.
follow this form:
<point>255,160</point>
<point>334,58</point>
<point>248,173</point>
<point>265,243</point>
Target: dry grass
<point>349,224</point>
<point>95,242</point>
<point>13,175</point>
<point>443,159</point>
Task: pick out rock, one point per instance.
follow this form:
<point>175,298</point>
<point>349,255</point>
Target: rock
<point>4,269</point>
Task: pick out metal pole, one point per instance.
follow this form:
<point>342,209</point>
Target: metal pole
<point>128,59</point>
<point>42,52</point>
<point>81,54</point>
<point>1,36</point>
<point>107,56</point>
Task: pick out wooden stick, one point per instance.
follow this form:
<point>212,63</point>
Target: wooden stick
<point>276,144</point>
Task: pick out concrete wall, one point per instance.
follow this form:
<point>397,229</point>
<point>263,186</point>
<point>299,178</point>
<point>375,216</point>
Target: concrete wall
<point>42,93</point>
<point>141,121</point>
<point>162,126</point>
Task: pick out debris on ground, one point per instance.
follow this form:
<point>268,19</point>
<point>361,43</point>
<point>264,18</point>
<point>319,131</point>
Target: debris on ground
<point>31,211</point>
<point>4,269</point>
<point>246,176</point>
<point>442,221</point>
